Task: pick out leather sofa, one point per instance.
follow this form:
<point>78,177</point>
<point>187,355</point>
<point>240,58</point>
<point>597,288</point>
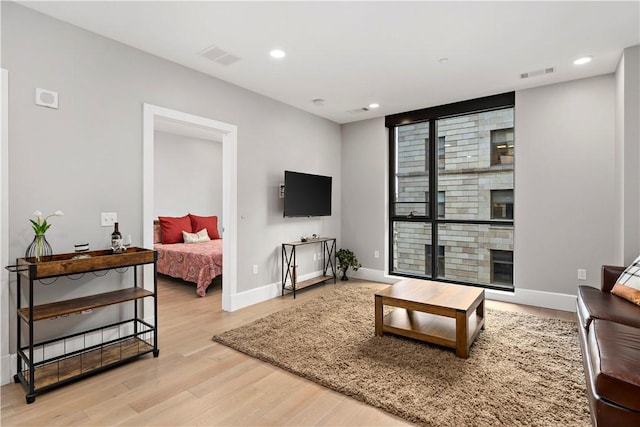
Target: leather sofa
<point>609,332</point>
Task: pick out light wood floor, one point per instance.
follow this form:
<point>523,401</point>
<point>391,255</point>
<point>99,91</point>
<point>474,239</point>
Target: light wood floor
<point>196,381</point>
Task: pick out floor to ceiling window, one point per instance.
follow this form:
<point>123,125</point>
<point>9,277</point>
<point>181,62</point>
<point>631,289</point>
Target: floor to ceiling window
<point>451,182</point>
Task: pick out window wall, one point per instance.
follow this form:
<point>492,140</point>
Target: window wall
<point>451,182</point>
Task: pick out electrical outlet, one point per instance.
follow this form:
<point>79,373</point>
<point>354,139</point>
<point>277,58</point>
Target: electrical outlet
<point>582,274</point>
<point>255,268</point>
<point>376,254</point>
<point>107,219</point>
<point>315,256</point>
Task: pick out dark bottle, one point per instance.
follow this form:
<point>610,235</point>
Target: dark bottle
<point>116,239</point>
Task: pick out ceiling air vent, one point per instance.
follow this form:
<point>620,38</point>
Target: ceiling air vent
<point>536,73</point>
<point>221,56</point>
<point>358,110</point>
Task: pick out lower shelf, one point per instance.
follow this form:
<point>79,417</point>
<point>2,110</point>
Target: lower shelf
<point>307,283</point>
<point>56,362</point>
<point>429,327</point>
<point>85,363</point>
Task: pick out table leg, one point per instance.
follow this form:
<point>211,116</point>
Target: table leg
<point>480,312</point>
<point>379,316</point>
<point>462,345</point>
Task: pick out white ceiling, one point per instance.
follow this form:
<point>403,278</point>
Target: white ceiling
<point>354,53</point>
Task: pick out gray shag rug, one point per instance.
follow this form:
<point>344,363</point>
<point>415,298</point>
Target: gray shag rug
<point>523,370</point>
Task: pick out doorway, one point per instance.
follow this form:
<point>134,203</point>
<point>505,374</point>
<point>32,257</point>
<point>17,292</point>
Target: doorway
<point>152,117</point>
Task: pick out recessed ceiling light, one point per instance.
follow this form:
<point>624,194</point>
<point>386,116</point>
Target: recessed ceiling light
<point>277,53</point>
<point>374,105</point>
<point>443,60</point>
<point>318,101</point>
<point>584,60</point>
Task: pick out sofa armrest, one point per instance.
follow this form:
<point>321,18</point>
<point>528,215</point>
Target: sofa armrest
<point>609,275</point>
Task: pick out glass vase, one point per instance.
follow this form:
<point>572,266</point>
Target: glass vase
<point>39,250</point>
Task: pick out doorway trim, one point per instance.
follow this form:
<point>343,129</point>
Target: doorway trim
<point>229,135</point>
<point>7,360</point>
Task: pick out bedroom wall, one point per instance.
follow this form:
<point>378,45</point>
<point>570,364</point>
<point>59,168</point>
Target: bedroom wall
<point>187,176</point>
<point>85,157</point>
<point>565,212</point>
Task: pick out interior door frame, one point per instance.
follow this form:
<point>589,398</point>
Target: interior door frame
<point>5,358</point>
<point>229,134</point>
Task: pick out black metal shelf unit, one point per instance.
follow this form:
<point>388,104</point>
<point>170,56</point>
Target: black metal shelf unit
<point>47,364</point>
<point>289,264</point>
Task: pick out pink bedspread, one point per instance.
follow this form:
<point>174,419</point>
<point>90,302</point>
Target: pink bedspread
<point>193,262</point>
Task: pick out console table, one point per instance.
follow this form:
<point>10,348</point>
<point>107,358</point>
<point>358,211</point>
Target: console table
<point>289,264</point>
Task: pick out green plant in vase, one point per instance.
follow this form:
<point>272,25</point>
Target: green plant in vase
<point>40,249</point>
<point>347,259</point>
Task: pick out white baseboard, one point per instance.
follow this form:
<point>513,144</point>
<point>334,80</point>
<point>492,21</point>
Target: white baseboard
<point>263,293</point>
<point>254,296</point>
<point>535,298</point>
<point>373,275</point>
<point>8,366</point>
<point>519,296</point>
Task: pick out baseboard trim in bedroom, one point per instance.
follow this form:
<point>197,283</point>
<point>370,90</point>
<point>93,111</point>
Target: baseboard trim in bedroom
<point>532,297</point>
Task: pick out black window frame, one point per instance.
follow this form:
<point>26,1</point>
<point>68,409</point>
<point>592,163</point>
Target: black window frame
<point>440,256</point>
<point>432,115</point>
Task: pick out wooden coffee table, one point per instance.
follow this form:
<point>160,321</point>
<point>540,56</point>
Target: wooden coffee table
<point>440,313</point>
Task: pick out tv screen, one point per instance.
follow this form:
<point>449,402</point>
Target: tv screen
<point>306,194</point>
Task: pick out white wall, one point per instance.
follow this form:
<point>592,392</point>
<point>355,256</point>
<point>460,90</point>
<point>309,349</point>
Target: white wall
<point>364,187</point>
<point>628,153</point>
<point>187,176</point>
<point>565,206</point>
<point>86,157</point>
<point>565,213</point>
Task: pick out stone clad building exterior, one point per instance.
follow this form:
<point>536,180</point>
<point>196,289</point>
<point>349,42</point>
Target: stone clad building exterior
<point>475,160</point>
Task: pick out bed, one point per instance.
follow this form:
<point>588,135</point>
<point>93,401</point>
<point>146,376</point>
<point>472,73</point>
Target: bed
<point>198,262</point>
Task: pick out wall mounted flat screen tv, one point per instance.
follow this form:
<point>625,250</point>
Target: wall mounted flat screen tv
<point>306,194</point>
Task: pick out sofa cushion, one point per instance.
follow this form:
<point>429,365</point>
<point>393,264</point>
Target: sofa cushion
<point>595,304</point>
<point>628,284</point>
<point>614,350</point>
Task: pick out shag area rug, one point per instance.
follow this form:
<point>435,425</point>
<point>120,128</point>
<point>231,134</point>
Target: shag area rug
<point>523,370</point>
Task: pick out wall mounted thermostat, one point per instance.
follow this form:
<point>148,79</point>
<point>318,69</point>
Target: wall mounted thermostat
<point>46,98</point>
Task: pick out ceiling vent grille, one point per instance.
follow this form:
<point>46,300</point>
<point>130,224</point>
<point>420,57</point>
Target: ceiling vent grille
<point>536,73</point>
<point>358,110</point>
<point>220,56</point>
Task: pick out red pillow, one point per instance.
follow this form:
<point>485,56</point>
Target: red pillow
<point>208,222</point>
<point>172,228</point>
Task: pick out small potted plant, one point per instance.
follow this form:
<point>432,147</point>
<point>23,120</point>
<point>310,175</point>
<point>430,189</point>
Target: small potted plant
<point>346,258</point>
